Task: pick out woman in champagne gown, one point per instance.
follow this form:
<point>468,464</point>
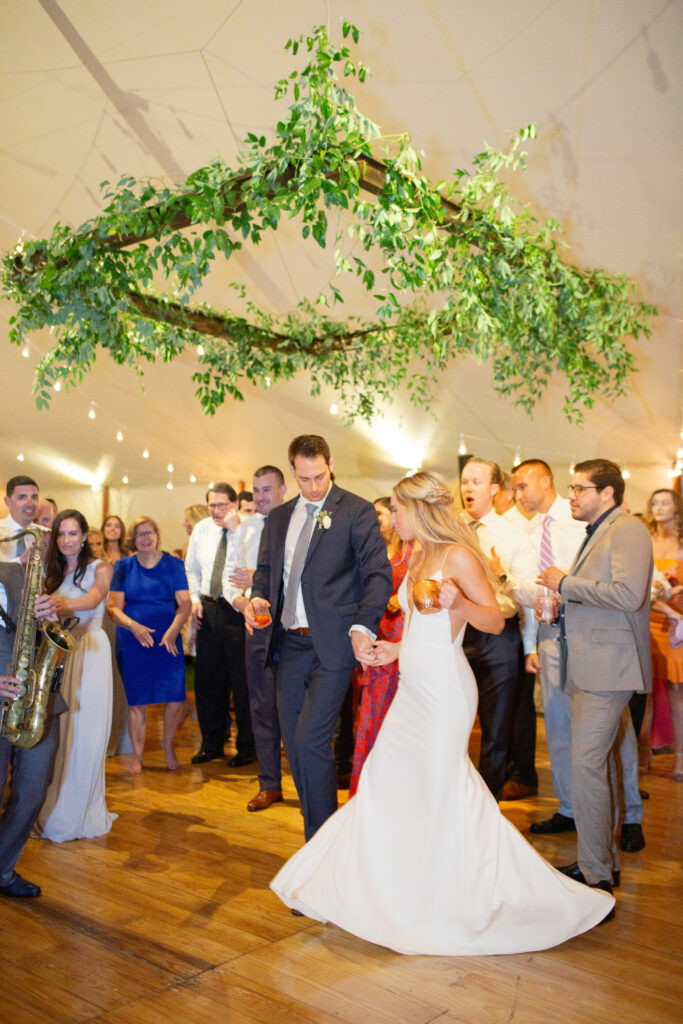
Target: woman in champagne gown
<point>421,859</point>
<point>75,805</point>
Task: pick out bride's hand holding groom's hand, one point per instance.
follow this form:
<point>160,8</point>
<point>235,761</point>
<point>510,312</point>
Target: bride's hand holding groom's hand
<point>384,652</point>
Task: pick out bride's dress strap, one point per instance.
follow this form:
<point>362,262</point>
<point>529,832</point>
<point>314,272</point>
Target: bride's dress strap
<point>443,560</point>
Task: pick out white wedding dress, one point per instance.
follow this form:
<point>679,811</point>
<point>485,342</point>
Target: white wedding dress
<point>421,860</point>
<point>75,806</point>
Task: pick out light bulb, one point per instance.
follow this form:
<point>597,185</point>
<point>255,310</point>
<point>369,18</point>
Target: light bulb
<point>462,450</point>
<point>169,485</point>
<point>92,414</point>
<point>193,478</point>
<point>170,467</point>
<point>334,408</point>
<point>20,457</point>
<point>119,435</point>
<point>25,352</point>
<point>145,454</point>
<point>124,478</point>
<point>200,350</point>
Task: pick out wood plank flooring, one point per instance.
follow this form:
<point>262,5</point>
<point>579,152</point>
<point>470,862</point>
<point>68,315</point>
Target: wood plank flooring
<point>169,918</point>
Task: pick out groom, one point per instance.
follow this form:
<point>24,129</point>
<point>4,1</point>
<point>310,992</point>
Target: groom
<point>324,572</point>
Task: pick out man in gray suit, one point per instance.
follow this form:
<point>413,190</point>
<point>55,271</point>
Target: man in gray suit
<point>324,573</point>
<point>605,651</point>
<point>32,767</point>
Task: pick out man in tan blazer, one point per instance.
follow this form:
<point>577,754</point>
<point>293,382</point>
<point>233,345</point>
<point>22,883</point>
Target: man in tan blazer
<point>605,649</point>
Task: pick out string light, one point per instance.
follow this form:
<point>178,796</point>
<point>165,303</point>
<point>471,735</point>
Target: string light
<point>119,435</point>
<point>169,485</point>
<point>25,352</point>
<point>20,457</point>
<point>518,458</point>
<point>145,454</point>
<point>267,381</point>
<point>124,478</point>
<point>193,478</point>
<point>334,408</point>
<point>200,350</point>
<point>626,474</point>
<point>92,414</point>
<point>170,467</point>
<point>462,450</point>
<point>57,386</point>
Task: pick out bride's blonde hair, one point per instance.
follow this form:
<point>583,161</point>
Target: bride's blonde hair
<point>430,508</point>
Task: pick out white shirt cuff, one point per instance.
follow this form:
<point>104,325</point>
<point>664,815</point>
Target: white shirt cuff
<point>364,630</point>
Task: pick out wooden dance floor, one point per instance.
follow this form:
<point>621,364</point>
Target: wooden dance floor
<point>169,919</point>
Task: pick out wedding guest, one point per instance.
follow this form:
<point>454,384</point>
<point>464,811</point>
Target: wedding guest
<point>220,666</point>
<point>45,514</point>
<point>246,506</point>
<point>114,533</point>
<point>269,491</point>
<point>96,542</point>
<point>149,602</point>
<point>664,520</point>
<point>75,805</point>
<point>193,515</point>
<point>379,682</point>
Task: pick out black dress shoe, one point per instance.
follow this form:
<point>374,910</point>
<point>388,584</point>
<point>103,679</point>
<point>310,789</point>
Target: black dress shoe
<point>575,872</point>
<point>558,823</point>
<point>202,756</point>
<point>632,838</point>
<point>239,760</point>
<point>20,887</point>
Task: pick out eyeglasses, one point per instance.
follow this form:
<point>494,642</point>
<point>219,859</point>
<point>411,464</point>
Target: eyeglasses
<point>218,505</point>
<point>145,533</point>
<point>578,489</point>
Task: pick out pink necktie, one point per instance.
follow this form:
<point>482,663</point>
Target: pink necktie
<point>546,555</point>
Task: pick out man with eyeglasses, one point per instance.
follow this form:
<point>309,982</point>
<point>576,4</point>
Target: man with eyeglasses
<point>604,654</point>
<point>220,666</point>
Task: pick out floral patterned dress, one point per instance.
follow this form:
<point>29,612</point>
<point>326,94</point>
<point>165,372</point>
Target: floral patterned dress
<point>379,682</point>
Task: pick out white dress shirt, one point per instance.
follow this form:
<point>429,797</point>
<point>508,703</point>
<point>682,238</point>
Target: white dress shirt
<point>516,554</point>
<point>243,552</point>
<point>517,518</point>
<point>201,554</point>
<point>296,525</point>
<point>8,552</point>
<point>566,534</point>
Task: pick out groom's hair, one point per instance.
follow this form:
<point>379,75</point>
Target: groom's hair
<point>309,445</point>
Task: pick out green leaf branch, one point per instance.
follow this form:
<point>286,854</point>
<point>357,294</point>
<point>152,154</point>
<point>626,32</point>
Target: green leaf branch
<point>456,268</point>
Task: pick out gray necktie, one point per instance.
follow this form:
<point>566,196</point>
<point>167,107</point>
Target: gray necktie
<point>216,585</point>
<point>20,546</point>
<point>288,616</point>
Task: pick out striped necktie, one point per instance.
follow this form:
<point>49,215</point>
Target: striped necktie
<point>546,559</point>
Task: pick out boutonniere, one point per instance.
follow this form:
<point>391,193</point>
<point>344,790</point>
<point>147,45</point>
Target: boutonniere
<point>323,518</point>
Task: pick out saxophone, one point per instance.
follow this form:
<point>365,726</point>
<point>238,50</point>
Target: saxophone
<point>23,718</point>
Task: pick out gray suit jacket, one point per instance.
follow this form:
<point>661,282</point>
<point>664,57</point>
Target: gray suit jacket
<point>606,602</point>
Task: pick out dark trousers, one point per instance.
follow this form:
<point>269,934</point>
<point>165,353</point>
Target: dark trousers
<point>344,740</point>
<point>263,707</point>
<point>522,753</point>
<point>309,699</point>
<point>31,775</point>
<point>220,668</point>
<point>497,663</point>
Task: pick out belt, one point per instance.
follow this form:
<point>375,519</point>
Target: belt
<point>299,631</point>
<point>213,600</point>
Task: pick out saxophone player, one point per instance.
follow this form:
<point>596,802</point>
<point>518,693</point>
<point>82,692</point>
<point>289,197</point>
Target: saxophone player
<point>31,767</point>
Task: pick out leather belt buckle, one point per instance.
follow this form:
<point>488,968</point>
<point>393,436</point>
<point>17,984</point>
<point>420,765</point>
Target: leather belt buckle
<point>300,631</point>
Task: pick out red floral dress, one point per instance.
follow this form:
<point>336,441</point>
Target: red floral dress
<point>379,682</point>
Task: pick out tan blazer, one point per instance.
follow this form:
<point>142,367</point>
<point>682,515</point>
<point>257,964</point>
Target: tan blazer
<point>606,601</point>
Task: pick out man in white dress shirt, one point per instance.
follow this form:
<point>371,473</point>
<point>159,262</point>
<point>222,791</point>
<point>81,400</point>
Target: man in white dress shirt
<point>498,661</point>
<point>22,499</point>
<point>220,666</point>
<point>556,537</point>
<point>268,492</point>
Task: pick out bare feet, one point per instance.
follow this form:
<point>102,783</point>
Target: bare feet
<point>135,767</point>
<point>171,759</point>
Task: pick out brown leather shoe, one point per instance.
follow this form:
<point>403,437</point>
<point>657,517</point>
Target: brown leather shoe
<point>517,791</point>
<point>264,798</point>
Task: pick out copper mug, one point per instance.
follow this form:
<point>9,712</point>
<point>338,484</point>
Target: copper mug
<point>426,595</point>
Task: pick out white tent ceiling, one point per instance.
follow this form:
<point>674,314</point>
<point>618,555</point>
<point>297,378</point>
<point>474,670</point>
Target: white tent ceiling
<point>91,89</point>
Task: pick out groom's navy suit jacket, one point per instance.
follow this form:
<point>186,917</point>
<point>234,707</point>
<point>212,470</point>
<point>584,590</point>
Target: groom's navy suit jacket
<point>346,579</point>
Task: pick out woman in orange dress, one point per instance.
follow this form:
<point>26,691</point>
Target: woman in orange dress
<point>664,519</point>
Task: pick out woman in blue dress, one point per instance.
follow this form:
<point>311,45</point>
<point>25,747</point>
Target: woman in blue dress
<point>149,602</point>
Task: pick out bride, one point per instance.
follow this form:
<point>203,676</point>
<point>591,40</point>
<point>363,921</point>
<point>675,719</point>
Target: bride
<point>421,859</point>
